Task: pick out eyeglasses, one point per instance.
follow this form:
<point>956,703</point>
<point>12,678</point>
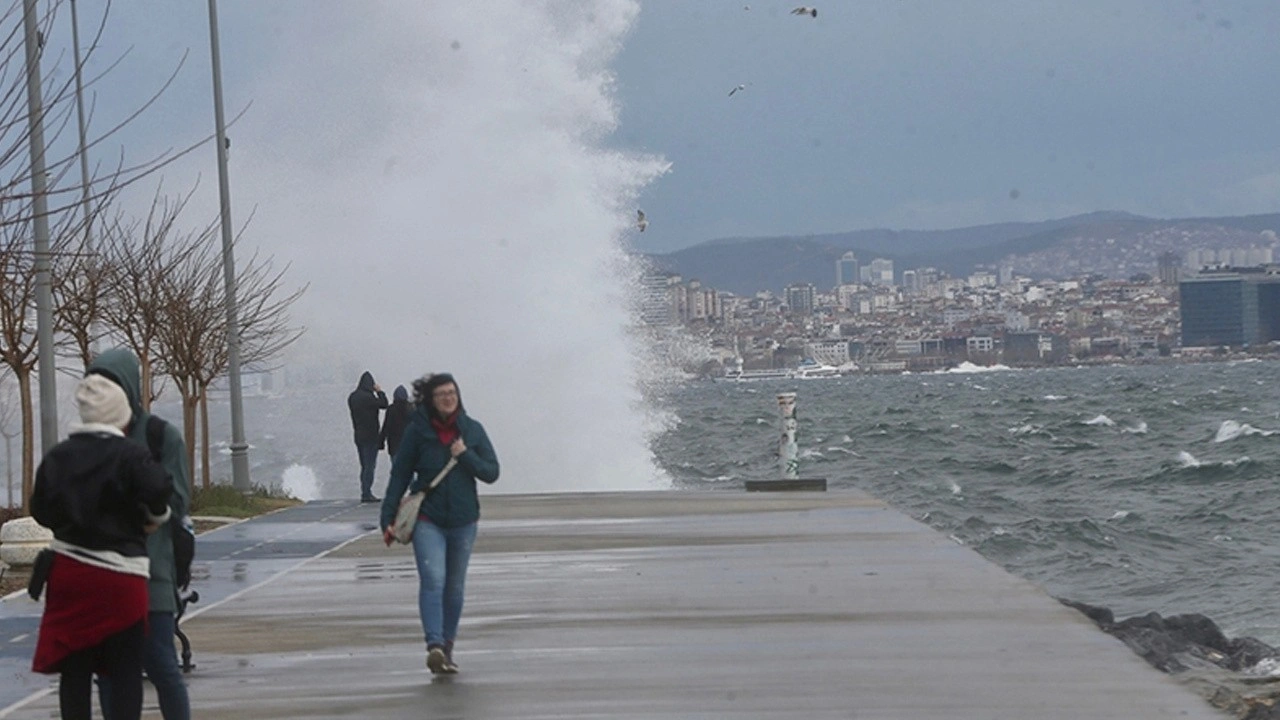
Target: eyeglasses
<point>444,393</point>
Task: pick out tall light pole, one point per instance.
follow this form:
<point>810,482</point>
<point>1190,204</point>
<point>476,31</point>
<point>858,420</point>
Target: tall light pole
<point>40,207</point>
<point>239,448</point>
<point>84,156</point>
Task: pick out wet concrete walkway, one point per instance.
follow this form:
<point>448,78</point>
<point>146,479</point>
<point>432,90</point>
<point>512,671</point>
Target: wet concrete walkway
<point>672,605</point>
<point>229,559</point>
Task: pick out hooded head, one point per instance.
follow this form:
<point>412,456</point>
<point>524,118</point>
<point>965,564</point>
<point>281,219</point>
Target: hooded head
<point>401,395</point>
<point>424,389</point>
<point>120,365</point>
<point>102,403</point>
<point>366,382</point>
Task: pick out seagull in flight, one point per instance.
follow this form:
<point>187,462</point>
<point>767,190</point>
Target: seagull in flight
<point>736,89</point>
<point>805,10</point>
<point>640,221</point>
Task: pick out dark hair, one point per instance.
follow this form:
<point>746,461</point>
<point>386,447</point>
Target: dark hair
<point>425,385</point>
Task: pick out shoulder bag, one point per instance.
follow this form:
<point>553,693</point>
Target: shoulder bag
<point>407,515</point>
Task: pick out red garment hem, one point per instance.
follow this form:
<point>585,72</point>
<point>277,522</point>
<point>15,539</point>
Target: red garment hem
<point>84,605</point>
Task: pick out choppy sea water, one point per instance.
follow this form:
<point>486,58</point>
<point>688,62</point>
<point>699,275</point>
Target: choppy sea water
<point>1139,488</point>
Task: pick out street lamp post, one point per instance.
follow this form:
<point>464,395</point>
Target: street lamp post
<point>84,158</point>
<point>84,155</point>
<point>239,448</point>
<point>40,221</point>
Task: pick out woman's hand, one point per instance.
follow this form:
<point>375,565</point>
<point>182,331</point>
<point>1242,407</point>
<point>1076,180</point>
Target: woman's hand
<point>388,537</point>
<point>458,447</point>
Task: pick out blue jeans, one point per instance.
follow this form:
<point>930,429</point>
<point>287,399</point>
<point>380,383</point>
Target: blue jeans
<point>160,661</point>
<point>442,555</point>
<point>368,461</point>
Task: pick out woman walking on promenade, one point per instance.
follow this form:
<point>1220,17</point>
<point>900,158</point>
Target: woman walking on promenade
<point>101,494</point>
<point>440,429</point>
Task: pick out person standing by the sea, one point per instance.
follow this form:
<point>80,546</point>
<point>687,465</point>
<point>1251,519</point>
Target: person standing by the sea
<point>364,403</point>
<point>101,495</point>
<point>395,421</point>
<point>440,429</point>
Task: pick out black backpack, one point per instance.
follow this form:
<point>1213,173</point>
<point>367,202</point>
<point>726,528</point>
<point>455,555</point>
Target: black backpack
<point>180,528</point>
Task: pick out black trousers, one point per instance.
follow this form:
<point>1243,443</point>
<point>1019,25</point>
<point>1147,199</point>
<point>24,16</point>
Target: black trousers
<point>120,659</point>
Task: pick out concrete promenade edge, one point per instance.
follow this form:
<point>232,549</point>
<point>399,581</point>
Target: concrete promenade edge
<point>672,605</point>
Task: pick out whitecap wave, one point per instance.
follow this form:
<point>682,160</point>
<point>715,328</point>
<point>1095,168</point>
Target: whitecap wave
<point>1139,429</point>
<point>968,367</point>
<point>301,482</point>
<point>1231,429</point>
<point>1101,420</point>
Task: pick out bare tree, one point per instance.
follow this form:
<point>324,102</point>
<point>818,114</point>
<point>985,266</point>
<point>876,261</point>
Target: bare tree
<point>81,281</point>
<point>9,412</point>
<point>193,340</point>
<point>18,347</point>
<point>266,330</point>
<point>190,316</point>
<point>140,255</point>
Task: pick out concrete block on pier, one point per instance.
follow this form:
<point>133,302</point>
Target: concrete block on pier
<point>787,485</point>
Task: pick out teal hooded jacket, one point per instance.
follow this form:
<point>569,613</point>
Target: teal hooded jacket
<point>421,456</point>
<point>121,366</point>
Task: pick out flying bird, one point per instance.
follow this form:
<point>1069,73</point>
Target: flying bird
<point>640,221</point>
<point>805,10</point>
<point>736,89</point>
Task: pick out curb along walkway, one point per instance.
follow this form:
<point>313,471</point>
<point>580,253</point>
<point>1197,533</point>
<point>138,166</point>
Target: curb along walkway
<point>673,605</point>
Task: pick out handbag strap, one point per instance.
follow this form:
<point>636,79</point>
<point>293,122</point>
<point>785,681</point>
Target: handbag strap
<point>444,471</point>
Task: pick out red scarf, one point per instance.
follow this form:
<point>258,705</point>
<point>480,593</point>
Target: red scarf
<point>447,429</point>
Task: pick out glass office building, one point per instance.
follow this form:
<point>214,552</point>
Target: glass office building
<point>1232,309</point>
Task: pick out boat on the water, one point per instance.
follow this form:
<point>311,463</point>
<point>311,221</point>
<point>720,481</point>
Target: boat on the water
<point>811,368</point>
<point>808,369</point>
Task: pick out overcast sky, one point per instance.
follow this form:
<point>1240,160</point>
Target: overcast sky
<point>877,113</point>
<point>931,114</point>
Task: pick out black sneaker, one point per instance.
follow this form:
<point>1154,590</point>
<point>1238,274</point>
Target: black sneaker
<point>450,667</point>
<point>436,660</point>
<point>370,499</point>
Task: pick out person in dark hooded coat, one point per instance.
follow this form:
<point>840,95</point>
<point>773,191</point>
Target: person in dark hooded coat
<point>396,419</point>
<point>365,402</point>
<point>160,658</point>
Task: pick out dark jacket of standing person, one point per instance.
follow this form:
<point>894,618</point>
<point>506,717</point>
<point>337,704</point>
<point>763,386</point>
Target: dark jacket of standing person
<point>396,420</point>
<point>96,490</point>
<point>364,403</point>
